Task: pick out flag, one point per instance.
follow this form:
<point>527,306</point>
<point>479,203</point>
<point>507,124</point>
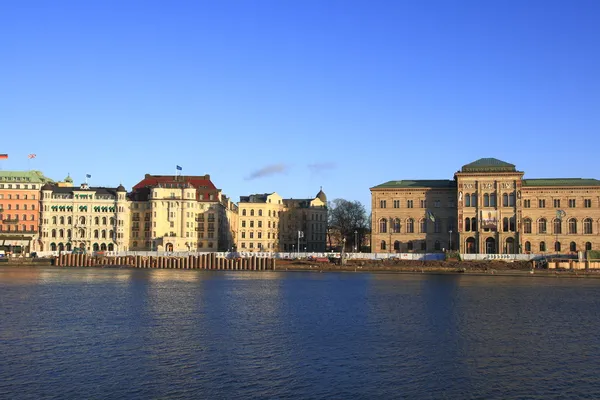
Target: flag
<point>179,168</point>
<point>430,216</point>
<point>31,156</point>
<point>3,156</point>
<point>300,234</point>
<point>88,176</point>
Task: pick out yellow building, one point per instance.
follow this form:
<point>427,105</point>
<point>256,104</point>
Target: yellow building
<point>267,222</point>
<point>180,213</point>
<point>487,208</point>
<point>84,217</point>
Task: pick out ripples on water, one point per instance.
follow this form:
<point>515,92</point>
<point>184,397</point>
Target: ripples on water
<point>148,334</point>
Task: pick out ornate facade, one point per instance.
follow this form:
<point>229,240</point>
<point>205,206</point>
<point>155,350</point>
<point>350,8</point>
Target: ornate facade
<point>87,218</point>
<point>487,208</point>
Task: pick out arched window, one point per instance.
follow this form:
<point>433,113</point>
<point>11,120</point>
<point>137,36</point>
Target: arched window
<point>493,200</point>
<point>382,245</point>
<point>97,220</point>
<point>82,220</point>
<point>112,221</point>
<point>62,220</point>
<point>557,227</point>
<point>69,221</point>
<point>512,224</point>
<point>397,225</point>
<point>53,220</point>
<point>103,247</point>
<point>103,233</point>
<point>467,224</point>
<point>103,220</point>
<point>473,224</point>
<point>511,200</point>
<point>81,233</point>
<point>61,233</point>
<point>244,212</point>
<point>96,234</point>
<point>437,245</point>
<point>557,246</point>
<point>505,200</point>
<point>528,247</point>
<point>505,223</point>
<point>473,200</point>
<point>542,246</point>
<point>409,245</point>
<point>53,233</point>
<point>486,200</point>
<point>588,246</point>
<point>260,213</point>
<point>542,225</point>
<point>410,226</point>
<point>587,226</point>
<point>397,245</point>
<point>572,246</point>
<point>95,247</point>
<point>572,225</point>
<point>68,247</point>
<point>467,200</point>
<point>111,235</point>
<point>423,224</point>
<point>252,212</point>
<point>53,246</point>
<point>383,225</point>
<point>111,247</point>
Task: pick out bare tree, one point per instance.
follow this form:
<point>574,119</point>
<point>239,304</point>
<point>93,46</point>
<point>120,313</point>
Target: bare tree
<point>347,220</point>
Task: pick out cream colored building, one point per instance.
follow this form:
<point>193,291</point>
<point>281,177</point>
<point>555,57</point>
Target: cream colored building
<point>180,213</point>
<point>487,208</point>
<point>269,223</point>
<point>88,218</point>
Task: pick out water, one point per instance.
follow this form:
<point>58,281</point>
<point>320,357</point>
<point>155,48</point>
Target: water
<point>169,334</point>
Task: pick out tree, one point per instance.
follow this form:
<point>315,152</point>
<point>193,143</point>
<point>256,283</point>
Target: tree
<point>344,219</point>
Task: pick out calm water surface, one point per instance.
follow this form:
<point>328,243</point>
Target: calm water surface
<point>168,334</point>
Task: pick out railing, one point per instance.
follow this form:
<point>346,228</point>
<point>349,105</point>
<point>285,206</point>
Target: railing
<point>11,221</point>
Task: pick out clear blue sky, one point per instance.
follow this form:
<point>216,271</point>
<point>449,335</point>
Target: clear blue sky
<point>340,94</point>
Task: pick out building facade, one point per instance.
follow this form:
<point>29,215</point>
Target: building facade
<point>269,223</point>
<point>487,208</point>
<point>20,210</point>
<point>90,219</point>
<point>180,213</point>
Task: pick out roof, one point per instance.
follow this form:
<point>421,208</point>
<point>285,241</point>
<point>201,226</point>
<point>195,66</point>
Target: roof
<point>489,165</point>
<point>564,182</point>
<point>23,177</point>
<point>255,198</point>
<point>97,190</point>
<point>405,184</point>
<point>198,182</point>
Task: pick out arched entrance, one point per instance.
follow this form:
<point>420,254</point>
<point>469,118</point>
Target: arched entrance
<point>510,245</point>
<point>111,247</point>
<point>471,247</point>
<point>490,245</point>
<point>61,247</point>
<point>96,247</point>
<point>169,247</point>
<point>103,247</point>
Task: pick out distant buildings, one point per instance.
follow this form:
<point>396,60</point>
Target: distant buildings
<point>487,208</point>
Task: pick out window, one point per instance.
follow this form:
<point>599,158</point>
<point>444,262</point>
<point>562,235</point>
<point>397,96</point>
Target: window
<point>252,212</point>
<point>511,200</point>
<point>409,204</point>
<point>396,225</point>
<point>557,246</point>
<point>572,246</point>
<point>473,224</point>
<point>244,214</point>
<point>505,200</point>
<point>571,203</point>
<point>397,245</point>
<point>541,203</point>
<point>423,245</point>
<point>396,203</point>
<point>382,204</point>
<point>437,203</point>
<point>383,225</point>
<point>588,246</point>
<point>260,213</point>
<point>423,203</point>
<point>382,245</point>
<point>493,200</point>
<point>467,200</point>
<point>526,203</point>
<point>542,246</point>
<point>251,224</point>
<point>260,224</point>
<point>556,203</point>
<point>473,200</point>
<point>542,225</point>
<point>587,203</point>
<point>528,247</point>
<point>486,200</point>
<point>243,224</point>
<point>437,245</point>
<point>572,226</point>
<point>423,226</point>
<point>505,222</point>
<point>437,226</point>
<point>467,224</point>
<point>587,226</point>
<point>410,226</point>
<point>557,227</point>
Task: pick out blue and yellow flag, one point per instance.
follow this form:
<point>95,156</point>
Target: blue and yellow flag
<point>430,216</point>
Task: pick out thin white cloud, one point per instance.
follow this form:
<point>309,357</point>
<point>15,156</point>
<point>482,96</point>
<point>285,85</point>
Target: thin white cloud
<point>268,171</point>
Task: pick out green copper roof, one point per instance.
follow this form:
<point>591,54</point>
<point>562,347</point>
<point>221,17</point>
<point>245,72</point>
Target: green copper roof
<point>561,182</point>
<point>489,165</point>
<point>438,183</point>
<point>23,177</point>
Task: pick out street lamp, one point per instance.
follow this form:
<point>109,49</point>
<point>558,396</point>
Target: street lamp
<point>450,241</point>
<point>355,241</point>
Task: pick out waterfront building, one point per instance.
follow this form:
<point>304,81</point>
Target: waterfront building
<point>487,208</point>
<point>20,210</point>
<point>90,219</point>
<point>180,213</point>
<point>269,223</point>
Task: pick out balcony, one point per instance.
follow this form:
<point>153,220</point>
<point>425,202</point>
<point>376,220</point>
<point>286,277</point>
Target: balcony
<point>11,221</point>
<point>135,218</point>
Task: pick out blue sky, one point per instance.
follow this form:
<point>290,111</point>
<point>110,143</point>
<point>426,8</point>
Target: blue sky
<point>288,96</point>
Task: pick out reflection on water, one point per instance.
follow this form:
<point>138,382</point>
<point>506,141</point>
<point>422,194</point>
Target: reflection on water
<point>140,334</point>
